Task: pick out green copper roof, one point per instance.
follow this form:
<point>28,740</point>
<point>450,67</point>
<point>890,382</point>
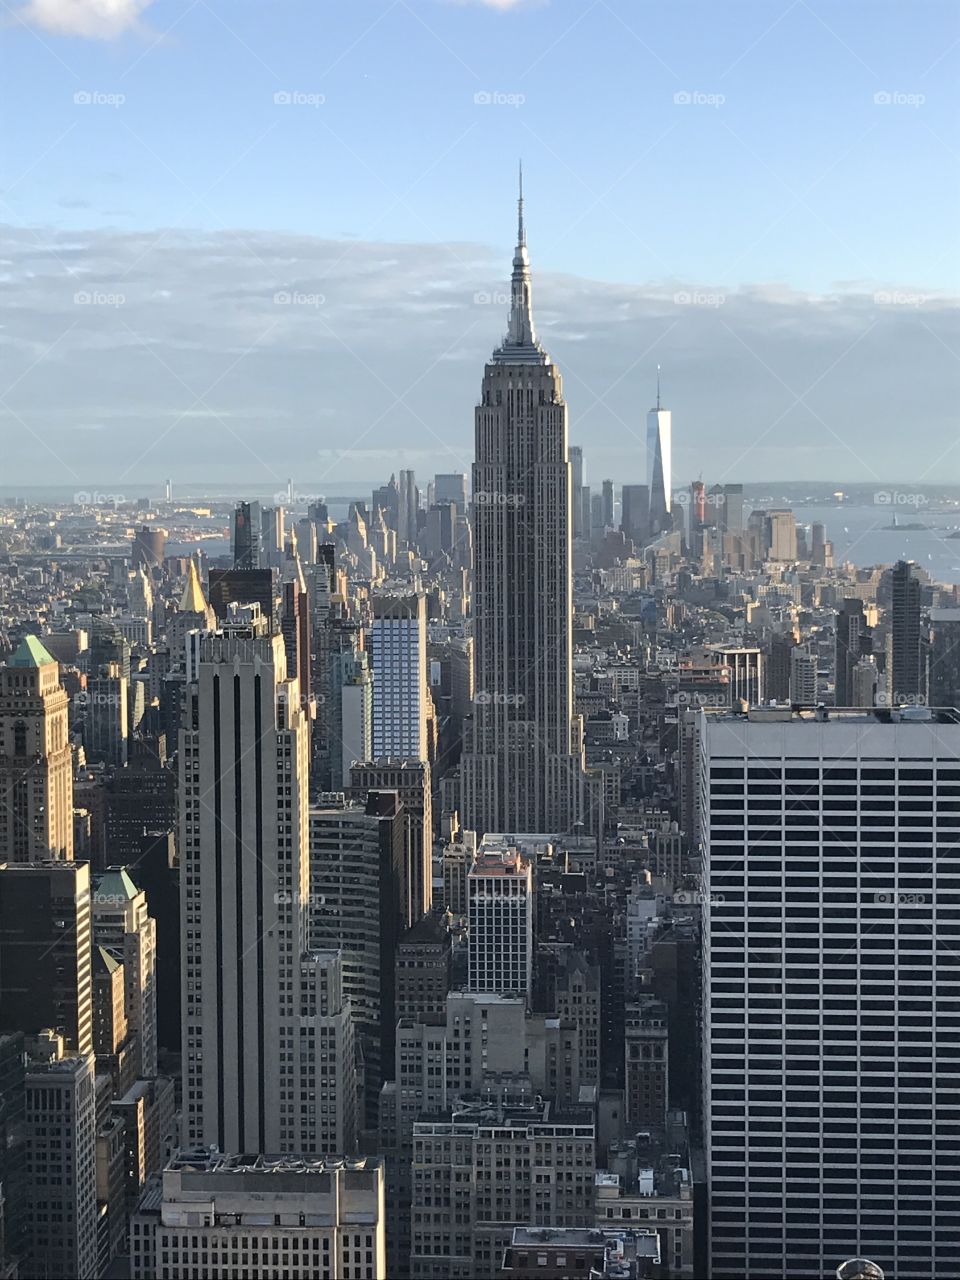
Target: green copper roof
<point>30,653</point>
<point>103,961</point>
<point>115,886</point>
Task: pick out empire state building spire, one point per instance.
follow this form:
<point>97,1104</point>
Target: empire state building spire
<point>520,346</point>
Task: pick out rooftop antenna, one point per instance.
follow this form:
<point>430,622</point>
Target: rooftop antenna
<point>658,378</point>
<point>521,232</point>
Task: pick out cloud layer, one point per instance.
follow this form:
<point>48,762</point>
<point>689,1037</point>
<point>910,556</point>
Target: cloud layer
<point>95,19</point>
<point>244,355</point>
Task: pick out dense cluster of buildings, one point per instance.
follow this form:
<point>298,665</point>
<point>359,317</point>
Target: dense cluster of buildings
<point>503,879</point>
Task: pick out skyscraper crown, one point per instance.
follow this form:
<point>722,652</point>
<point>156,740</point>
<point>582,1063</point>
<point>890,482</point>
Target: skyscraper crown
<point>520,346</point>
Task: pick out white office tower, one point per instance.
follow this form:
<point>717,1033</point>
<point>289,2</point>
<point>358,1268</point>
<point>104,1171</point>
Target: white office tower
<point>523,754</point>
<point>223,1216</point>
<point>123,925</point>
<point>659,473</point>
<point>500,916</point>
<point>831,971</point>
<point>244,882</point>
<point>61,1174</point>
<point>401,696</point>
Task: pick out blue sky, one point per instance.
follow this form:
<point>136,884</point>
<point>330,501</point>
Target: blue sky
<point>818,154</point>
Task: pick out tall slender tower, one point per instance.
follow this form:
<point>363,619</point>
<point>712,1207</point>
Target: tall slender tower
<point>523,767</point>
<point>659,477</point>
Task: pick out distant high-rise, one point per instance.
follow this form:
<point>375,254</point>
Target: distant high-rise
<point>451,487</point>
<point>401,696</point>
<point>36,763</point>
<point>409,505</point>
<point>659,473</point>
<point>781,535</point>
<point>608,503</point>
<point>852,643</point>
<point>522,765</point>
<point>148,549</point>
<point>122,924</point>
<point>247,539</point>
<point>905,676</point>
<point>635,511</point>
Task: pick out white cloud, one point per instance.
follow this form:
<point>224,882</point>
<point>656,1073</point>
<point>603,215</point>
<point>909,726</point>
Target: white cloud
<point>97,19</point>
<point>235,355</point>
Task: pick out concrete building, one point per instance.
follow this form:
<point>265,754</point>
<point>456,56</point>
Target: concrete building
<point>122,924</point>
<point>646,1065</point>
<point>61,1169</point>
<point>828,1005</point>
<point>357,855</point>
<point>218,1216</point>
<point>522,760</point>
<point>106,722</point>
<point>351,715</point>
<point>493,1163</point>
<point>410,779</point>
<point>803,677</point>
<point>423,970</point>
<point>36,764</point>
<point>500,915</point>
<point>944,685</point>
<point>148,1111</point>
<point>580,1253</point>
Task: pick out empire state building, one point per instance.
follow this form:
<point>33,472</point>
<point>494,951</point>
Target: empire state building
<point>523,748</point>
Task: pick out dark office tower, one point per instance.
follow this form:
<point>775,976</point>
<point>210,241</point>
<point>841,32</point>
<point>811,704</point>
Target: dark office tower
<point>148,548</point>
<point>818,544</point>
<point>608,503</point>
<point>945,658</point>
<point>905,682</point>
<point>410,779</point>
<point>853,642</point>
<point>319,514</point>
<point>108,645</point>
<point>45,943</point>
<point>242,586</point>
<point>295,627</point>
<point>387,500</point>
<point>586,509</point>
<point>356,873</point>
<point>14,1146</point>
<point>36,765</point>
<point>777,667</point>
<point>635,511</point>
<point>409,506</point>
<point>522,766</point>
<point>830,978</point>
<point>273,537</point>
<point>423,971</point>
<point>576,469</point>
<point>247,540</point>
